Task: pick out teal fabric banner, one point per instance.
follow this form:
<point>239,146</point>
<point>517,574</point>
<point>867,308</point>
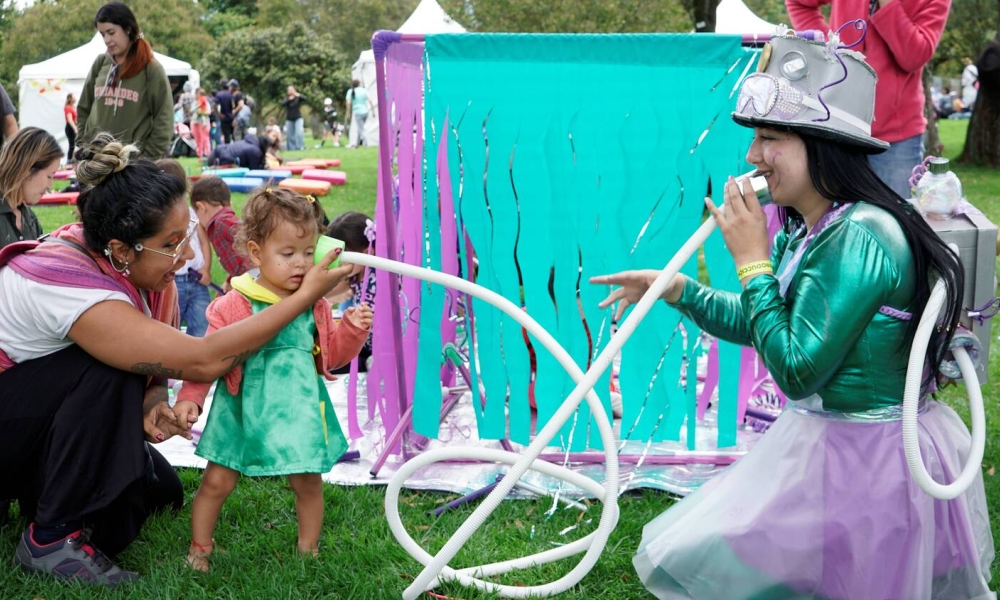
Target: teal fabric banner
<point>577,155</point>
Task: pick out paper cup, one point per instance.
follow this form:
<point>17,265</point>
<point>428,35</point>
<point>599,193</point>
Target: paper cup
<point>323,245</point>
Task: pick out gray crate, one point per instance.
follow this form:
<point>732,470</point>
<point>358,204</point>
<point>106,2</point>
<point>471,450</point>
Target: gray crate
<point>976,238</point>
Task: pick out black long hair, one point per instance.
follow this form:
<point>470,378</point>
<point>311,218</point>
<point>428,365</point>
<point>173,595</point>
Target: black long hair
<point>842,173</point>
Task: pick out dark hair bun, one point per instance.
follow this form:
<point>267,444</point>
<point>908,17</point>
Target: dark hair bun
<point>102,157</point>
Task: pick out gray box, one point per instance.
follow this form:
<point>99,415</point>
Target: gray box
<point>976,238</point>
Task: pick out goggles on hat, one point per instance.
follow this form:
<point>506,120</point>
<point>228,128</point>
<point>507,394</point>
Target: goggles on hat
<point>764,96</point>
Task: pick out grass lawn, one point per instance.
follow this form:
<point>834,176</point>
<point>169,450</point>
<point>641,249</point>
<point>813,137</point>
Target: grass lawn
<point>360,557</point>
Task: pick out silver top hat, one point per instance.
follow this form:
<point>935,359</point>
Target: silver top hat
<point>817,88</point>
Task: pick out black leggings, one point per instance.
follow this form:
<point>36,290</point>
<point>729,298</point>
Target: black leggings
<point>71,138</point>
<point>74,448</point>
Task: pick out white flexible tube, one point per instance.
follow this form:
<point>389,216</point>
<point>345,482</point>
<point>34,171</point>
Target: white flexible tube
<point>438,565</point>
<point>911,400</point>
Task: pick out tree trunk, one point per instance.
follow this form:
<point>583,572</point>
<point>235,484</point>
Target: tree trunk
<point>704,15</point>
<point>932,141</point>
<point>982,143</point>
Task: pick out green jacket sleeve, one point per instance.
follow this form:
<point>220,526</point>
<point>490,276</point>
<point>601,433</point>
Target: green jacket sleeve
<point>86,102</point>
<point>804,340</point>
<point>719,313</point>
<point>161,112</point>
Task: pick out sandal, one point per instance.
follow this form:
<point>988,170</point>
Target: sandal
<point>198,554</point>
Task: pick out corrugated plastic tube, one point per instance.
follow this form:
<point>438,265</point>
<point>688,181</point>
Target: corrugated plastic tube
<point>911,403</point>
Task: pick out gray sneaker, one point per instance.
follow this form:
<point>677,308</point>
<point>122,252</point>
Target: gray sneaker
<point>71,558</point>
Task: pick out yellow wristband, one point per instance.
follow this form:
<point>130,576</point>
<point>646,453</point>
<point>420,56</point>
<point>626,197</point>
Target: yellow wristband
<point>754,268</point>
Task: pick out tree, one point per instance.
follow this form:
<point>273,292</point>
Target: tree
<point>353,21</point>
<point>971,25</point>
<point>982,142</point>
<point>46,29</point>
<point>272,58</point>
<point>569,16</point>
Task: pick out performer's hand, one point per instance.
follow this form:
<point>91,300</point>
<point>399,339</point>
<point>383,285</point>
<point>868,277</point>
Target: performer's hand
<point>635,284</point>
<point>743,224</point>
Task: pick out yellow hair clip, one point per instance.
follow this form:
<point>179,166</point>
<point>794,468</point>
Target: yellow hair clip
<point>311,198</point>
<point>267,191</point>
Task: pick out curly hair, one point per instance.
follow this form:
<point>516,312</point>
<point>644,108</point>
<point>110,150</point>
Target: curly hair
<point>267,208</point>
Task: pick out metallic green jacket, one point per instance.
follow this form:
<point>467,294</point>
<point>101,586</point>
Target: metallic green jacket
<point>826,336</point>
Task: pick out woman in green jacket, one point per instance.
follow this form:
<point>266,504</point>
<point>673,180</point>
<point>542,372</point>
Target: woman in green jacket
<point>127,92</point>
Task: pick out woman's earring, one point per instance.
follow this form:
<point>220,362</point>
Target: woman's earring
<point>111,259</point>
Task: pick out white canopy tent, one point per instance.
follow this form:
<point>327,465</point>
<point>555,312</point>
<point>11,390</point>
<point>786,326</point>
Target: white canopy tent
<point>44,86</point>
<point>732,16</point>
<point>428,17</point>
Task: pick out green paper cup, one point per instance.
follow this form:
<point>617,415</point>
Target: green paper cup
<point>323,245</point>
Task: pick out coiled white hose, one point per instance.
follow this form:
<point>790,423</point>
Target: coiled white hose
<point>437,566</point>
<point>911,400</point>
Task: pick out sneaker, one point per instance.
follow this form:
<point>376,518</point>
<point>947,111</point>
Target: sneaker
<point>71,558</point>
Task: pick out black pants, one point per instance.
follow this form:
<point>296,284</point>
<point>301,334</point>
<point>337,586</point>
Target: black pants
<point>74,448</point>
<point>227,131</point>
<point>71,147</point>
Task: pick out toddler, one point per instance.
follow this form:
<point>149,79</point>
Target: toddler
<point>271,414</point>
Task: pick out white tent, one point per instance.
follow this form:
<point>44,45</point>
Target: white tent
<point>43,86</point>
<point>428,17</point>
<point>732,16</point>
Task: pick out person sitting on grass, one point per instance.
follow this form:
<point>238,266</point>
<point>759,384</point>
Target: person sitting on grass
<point>273,416</point>
<point>88,339</point>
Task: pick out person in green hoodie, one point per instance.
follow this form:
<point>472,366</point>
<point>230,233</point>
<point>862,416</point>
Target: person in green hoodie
<point>127,92</point>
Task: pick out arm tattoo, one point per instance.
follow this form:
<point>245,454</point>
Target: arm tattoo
<point>155,370</point>
<point>238,359</point>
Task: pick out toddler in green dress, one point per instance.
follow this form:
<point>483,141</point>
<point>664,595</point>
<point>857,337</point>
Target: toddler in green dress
<point>271,414</point>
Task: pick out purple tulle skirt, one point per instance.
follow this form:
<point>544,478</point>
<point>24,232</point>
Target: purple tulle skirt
<point>824,506</point>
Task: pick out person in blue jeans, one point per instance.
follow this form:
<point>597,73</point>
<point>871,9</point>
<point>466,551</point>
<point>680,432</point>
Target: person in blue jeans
<point>294,124</point>
<point>193,278</point>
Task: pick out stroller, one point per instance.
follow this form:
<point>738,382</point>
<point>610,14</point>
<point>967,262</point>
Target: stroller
<point>182,143</point>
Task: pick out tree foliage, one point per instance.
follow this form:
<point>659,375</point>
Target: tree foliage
<point>971,25</point>
<point>46,29</point>
<point>351,22</point>
<point>267,60</point>
<point>569,16</point>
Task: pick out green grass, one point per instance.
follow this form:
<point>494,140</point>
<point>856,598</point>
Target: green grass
<point>360,558</point>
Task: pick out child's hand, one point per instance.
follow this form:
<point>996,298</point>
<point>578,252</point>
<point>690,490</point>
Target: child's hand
<point>340,292</point>
<point>360,316</point>
<point>187,414</point>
